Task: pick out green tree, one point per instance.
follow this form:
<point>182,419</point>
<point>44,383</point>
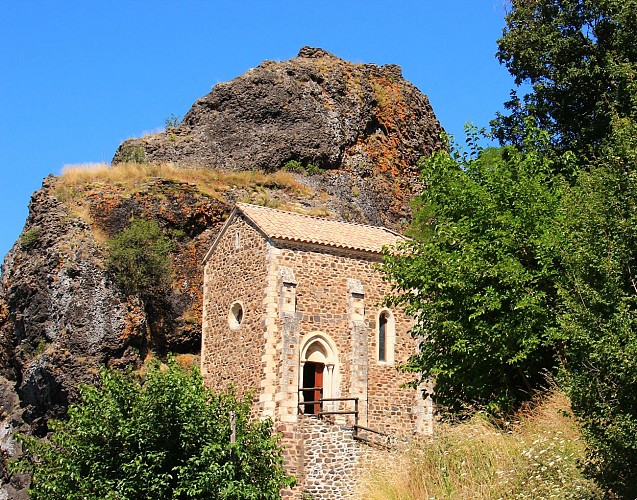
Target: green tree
<point>479,275</point>
<point>139,257</point>
<point>599,289</point>
<point>580,59</point>
<point>167,437</point>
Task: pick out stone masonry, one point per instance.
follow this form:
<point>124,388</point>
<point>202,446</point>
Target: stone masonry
<point>293,302</point>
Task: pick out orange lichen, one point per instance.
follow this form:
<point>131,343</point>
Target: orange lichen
<point>385,149</point>
<point>134,323</point>
<point>392,113</point>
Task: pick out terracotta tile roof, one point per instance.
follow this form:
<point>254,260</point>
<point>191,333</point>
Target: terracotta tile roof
<point>280,225</point>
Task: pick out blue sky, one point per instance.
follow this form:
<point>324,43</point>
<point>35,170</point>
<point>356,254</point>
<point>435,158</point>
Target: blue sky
<point>79,77</point>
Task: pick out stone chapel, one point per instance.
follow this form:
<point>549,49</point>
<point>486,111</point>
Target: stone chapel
<point>293,311</point>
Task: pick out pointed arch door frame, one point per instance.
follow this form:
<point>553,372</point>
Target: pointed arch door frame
<point>318,364</point>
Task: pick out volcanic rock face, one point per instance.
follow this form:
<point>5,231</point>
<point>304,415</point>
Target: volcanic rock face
<point>63,316</point>
<point>362,120</point>
<point>64,300</point>
<point>364,124</point>
<point>354,132</point>
<point>316,109</point>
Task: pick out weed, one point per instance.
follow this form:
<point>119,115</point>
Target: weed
<point>187,361</point>
<point>30,237</point>
<point>40,348</point>
<point>172,121</point>
<point>318,211</point>
<point>190,317</point>
<point>263,198</point>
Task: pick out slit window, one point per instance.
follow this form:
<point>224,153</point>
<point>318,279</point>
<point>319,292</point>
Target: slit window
<point>385,337</point>
<point>382,336</point>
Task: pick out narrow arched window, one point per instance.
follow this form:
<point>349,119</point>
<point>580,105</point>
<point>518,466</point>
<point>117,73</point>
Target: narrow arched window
<point>385,337</point>
<point>383,320</point>
<point>235,315</point>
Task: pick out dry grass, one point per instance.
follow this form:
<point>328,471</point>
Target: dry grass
<point>319,211</point>
<point>210,182</point>
<point>187,361</point>
<point>536,458</point>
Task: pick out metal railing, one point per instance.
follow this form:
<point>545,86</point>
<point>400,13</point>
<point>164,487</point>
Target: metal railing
<point>356,427</point>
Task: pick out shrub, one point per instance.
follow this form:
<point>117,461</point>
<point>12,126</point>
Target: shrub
<point>164,437</point>
<point>172,121</point>
<point>133,154</point>
<point>139,258</point>
<point>299,168</point>
<point>294,166</point>
<point>30,237</point>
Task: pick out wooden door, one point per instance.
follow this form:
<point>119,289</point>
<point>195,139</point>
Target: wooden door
<point>313,386</point>
<point>318,386</point>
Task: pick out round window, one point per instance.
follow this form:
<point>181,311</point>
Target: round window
<point>235,316</point>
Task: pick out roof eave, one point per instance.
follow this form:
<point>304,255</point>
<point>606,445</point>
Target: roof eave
<point>225,227</point>
<point>289,241</point>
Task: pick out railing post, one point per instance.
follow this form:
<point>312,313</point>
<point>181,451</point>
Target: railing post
<point>356,417</point>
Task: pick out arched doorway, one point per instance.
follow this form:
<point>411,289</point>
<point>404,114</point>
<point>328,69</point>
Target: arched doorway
<point>318,380</point>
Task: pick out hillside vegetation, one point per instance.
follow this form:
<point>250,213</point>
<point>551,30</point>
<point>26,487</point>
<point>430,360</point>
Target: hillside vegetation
<point>210,182</point>
<point>523,257</point>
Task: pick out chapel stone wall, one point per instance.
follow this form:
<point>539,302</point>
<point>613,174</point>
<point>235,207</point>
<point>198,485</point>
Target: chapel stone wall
<point>331,459</point>
<point>323,304</point>
<point>336,466</point>
<point>236,272</point>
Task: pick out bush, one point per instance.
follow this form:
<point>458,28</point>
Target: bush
<point>30,237</point>
<point>164,437</point>
<point>139,258</point>
<point>299,168</point>
<point>172,121</point>
<point>133,154</point>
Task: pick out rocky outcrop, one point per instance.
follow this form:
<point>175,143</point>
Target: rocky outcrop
<point>63,316</point>
<point>353,133</point>
<point>66,316</point>
<point>316,109</point>
<point>365,124</point>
